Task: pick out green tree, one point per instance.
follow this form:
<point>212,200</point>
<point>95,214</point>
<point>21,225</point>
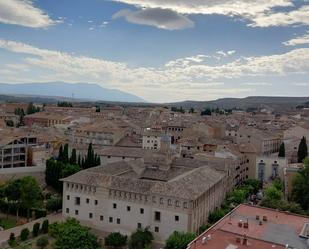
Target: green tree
<point>35,229</point>
<point>32,109</point>
<point>278,184</point>
<point>12,239</point>
<point>302,152</point>
<point>179,240</point>
<point>273,194</point>
<point>31,194</point>
<point>73,158</point>
<point>65,158</point>
<point>60,154</point>
<point>216,215</point>
<point>71,234</point>
<point>54,204</point>
<point>140,238</point>
<point>206,112</point>
<point>42,242</point>
<point>45,226</point>
<point>13,191</point>
<point>300,191</point>
<point>116,240</point>
<point>281,150</point>
<point>24,234</point>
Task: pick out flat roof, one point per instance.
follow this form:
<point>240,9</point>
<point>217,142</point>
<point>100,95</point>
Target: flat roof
<point>280,229</point>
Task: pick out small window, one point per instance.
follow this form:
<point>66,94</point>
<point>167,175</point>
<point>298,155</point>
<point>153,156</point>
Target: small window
<point>123,157</point>
<point>67,210</point>
<point>141,210</point>
<point>77,201</point>
<point>68,197</point>
<point>161,201</point>
<point>118,221</point>
<point>101,218</point>
<point>128,208</point>
<point>95,202</point>
<point>90,215</point>
<point>169,202</point>
<point>139,225</point>
<point>87,200</point>
<point>114,205</point>
<point>110,219</point>
<point>177,203</point>
<point>76,212</point>
<point>176,218</point>
<point>156,229</point>
<point>185,205</point>
<point>157,216</point>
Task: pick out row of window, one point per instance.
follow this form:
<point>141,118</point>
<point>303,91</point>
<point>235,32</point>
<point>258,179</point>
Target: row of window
<point>80,187</point>
<point>161,201</point>
<point>78,202</point>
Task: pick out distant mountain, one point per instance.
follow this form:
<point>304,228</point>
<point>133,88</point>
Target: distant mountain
<point>244,103</point>
<point>62,89</point>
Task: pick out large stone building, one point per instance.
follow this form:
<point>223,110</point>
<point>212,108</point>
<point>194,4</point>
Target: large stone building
<point>160,193</point>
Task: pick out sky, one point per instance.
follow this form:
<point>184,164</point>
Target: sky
<point>160,50</point>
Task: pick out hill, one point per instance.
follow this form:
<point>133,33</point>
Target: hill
<point>78,90</point>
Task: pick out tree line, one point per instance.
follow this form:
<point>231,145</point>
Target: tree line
<point>66,165</point>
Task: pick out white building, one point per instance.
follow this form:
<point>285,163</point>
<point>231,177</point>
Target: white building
<point>152,139</point>
<point>127,195</point>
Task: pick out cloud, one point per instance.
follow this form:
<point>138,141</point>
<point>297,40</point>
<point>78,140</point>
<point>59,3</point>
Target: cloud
<point>24,13</point>
<point>157,17</point>
<point>192,72</point>
<point>259,13</point>
<point>258,84</point>
<point>304,39</point>
<point>301,84</point>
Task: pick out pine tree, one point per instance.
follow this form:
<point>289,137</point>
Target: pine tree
<point>73,157</point>
<point>281,150</point>
<point>302,150</point>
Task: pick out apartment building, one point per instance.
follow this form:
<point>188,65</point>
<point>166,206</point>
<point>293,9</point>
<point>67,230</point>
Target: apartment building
<point>98,134</point>
<point>152,139</point>
<point>127,195</point>
<point>47,119</point>
<point>14,150</point>
<point>266,142</point>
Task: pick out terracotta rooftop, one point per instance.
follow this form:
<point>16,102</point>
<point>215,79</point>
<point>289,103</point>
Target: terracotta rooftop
<point>267,228</point>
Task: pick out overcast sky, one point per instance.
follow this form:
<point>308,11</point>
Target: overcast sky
<point>160,50</point>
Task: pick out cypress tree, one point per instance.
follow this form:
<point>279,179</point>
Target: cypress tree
<point>79,161</point>
<point>66,154</point>
<point>302,152</point>
<point>60,155</point>
<point>281,150</point>
<point>73,157</point>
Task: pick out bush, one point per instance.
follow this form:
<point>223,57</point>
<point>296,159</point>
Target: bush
<point>116,240</point>
<point>12,240</point>
<point>45,226</point>
<point>35,229</point>
<point>179,240</point>
<point>24,234</point>
<point>140,239</point>
<point>42,242</point>
<point>216,216</point>
<point>54,204</point>
<point>39,213</point>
